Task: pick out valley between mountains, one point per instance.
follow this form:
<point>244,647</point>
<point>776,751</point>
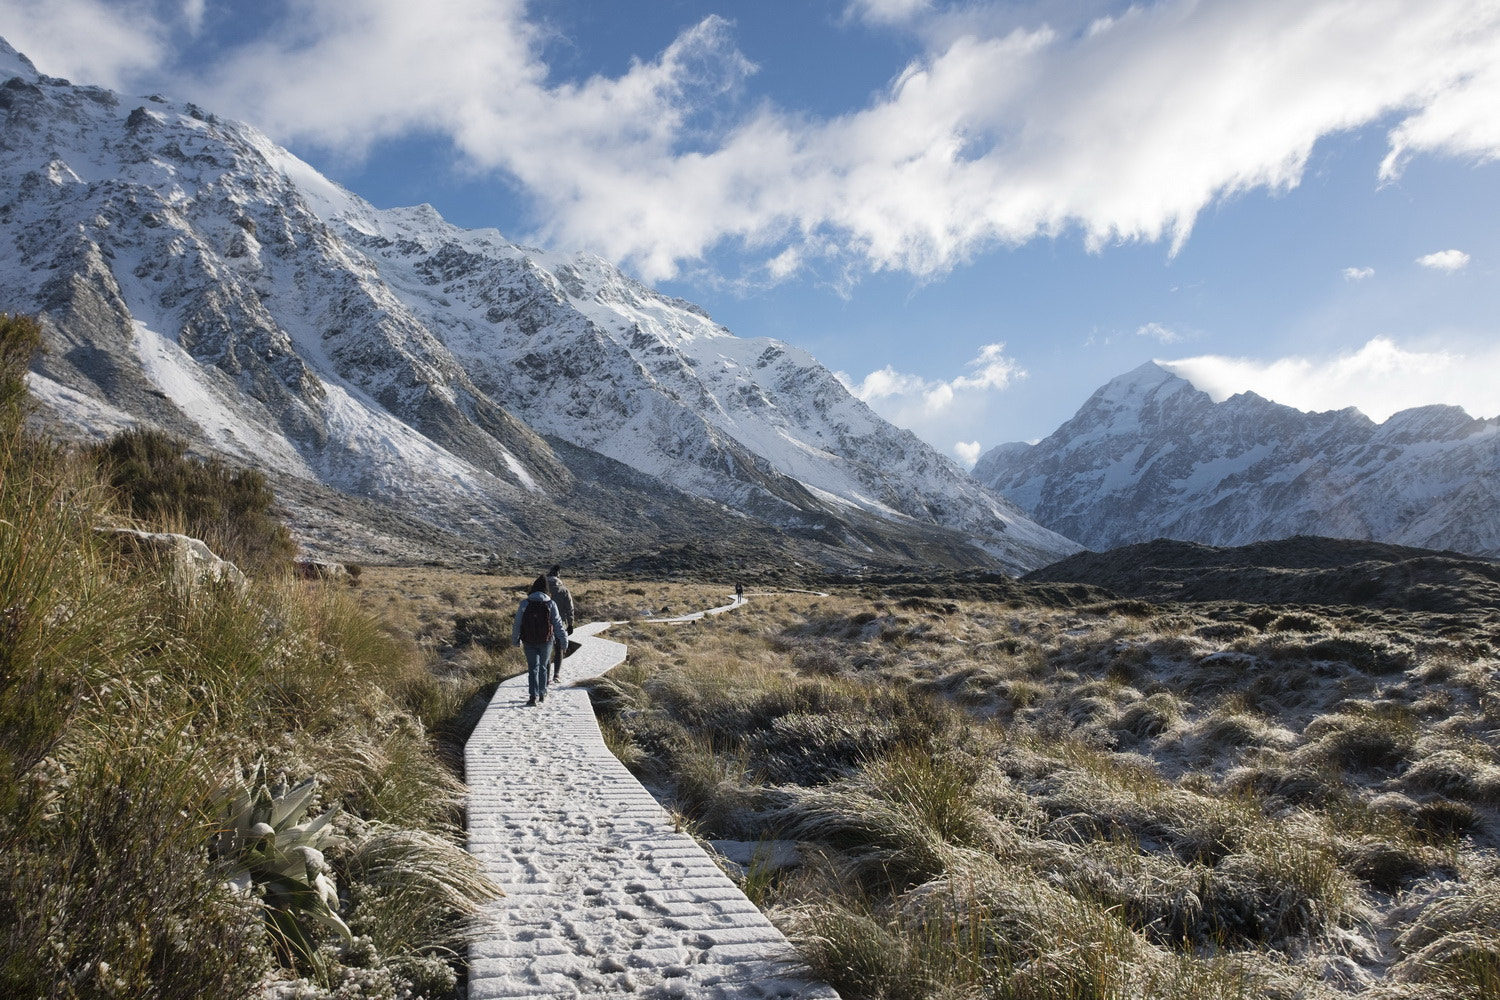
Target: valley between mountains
<point>1191,700</point>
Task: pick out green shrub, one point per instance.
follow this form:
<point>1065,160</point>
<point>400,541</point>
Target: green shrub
<point>229,509</point>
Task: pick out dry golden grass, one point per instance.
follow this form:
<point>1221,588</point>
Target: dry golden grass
<point>1055,802</point>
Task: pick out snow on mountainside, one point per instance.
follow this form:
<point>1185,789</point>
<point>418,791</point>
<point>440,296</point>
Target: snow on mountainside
<point>1150,456</point>
<point>191,274</point>
<point>597,359</point>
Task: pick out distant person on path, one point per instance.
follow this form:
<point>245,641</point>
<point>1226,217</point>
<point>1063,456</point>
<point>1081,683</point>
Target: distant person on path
<point>739,591</point>
<point>539,630</point>
<point>564,602</point>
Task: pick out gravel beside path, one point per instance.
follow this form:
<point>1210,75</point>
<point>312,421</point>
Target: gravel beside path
<point>604,897</point>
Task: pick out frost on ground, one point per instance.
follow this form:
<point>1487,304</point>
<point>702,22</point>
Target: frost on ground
<point>604,896</point>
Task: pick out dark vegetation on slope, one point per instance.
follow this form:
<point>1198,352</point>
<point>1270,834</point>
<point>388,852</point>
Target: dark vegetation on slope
<point>1301,570</point>
<point>228,509</point>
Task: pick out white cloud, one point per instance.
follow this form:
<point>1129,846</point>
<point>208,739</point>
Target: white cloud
<point>1359,273</point>
<point>968,453</point>
<point>933,408</point>
<point>1379,379</point>
<point>1459,119</point>
<point>1445,260</point>
<point>1158,332</point>
<point>886,11</point>
<point>88,41</point>
<point>1008,128</point>
<point>192,14</point>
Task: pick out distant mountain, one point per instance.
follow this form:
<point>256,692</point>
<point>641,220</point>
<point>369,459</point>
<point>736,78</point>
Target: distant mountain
<point>1150,456</point>
<point>191,274</point>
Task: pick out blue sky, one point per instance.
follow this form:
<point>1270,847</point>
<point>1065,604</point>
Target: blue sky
<point>977,212</point>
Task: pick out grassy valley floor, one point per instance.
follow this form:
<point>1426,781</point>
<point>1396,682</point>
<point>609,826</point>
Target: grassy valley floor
<point>1014,794</point>
<point>1007,798</point>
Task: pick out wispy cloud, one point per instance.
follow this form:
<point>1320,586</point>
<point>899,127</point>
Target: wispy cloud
<point>1445,260</point>
<point>886,11</point>
<point>1378,379</point>
<point>1007,128</point>
<point>1158,332</point>
<point>90,41</point>
<point>930,408</point>
<point>1359,273</point>
<point>192,14</point>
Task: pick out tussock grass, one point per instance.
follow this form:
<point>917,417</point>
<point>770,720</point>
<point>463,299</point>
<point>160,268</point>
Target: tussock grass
<point>1130,802</point>
<point>414,888</point>
<point>127,700</point>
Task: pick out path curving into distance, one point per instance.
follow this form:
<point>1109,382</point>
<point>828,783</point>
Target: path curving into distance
<point>604,896</point>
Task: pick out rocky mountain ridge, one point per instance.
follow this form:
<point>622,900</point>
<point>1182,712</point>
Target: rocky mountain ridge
<point>191,274</point>
<point>1150,456</point>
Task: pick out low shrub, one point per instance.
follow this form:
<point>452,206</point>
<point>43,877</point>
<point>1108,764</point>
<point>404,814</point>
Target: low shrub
<point>1370,653</point>
<point>157,483</point>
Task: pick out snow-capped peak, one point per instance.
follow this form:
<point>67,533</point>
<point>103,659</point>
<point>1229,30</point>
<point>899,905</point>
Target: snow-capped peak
<point>1148,456</point>
<point>14,64</point>
<point>196,275</point>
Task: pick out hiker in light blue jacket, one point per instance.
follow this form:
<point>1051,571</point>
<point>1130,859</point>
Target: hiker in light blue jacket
<point>538,629</point>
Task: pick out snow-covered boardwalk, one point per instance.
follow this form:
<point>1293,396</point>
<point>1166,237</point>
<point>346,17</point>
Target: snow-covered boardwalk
<point>604,897</point>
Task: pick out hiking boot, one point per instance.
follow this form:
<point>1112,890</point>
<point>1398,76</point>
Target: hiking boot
<point>531,703</point>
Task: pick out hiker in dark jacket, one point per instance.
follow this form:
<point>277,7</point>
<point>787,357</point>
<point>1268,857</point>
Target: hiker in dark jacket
<point>539,633</point>
<point>564,601</point>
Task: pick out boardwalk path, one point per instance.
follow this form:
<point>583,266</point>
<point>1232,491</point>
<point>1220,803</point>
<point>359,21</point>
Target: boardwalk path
<point>604,897</point>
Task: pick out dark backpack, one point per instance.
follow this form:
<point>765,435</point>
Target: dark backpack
<point>536,624</point>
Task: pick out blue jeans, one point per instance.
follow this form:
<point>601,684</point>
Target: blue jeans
<point>538,668</point>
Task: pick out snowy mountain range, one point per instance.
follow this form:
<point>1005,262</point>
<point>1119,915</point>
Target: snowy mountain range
<point>191,274</point>
<point>1150,456</point>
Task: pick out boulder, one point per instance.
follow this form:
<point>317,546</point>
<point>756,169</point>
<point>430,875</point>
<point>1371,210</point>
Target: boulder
<point>192,562</point>
<point>314,569</point>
